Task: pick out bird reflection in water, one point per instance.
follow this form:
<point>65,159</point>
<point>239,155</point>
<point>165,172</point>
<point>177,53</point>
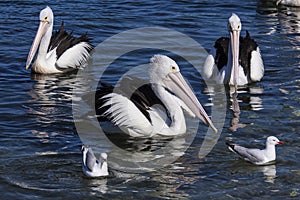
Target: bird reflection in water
<point>50,102</point>
<point>234,123</point>
<point>249,102</point>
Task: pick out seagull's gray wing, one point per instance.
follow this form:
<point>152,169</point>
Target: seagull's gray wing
<point>90,159</point>
<point>251,155</point>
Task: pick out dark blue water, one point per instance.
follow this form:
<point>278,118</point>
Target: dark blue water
<point>40,153</point>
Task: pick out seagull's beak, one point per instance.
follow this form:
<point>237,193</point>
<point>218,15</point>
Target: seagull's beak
<point>280,142</point>
<point>235,44</point>
<point>176,83</point>
<point>40,33</point>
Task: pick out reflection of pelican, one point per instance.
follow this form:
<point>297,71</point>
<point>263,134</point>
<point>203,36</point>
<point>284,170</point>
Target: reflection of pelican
<point>235,60</point>
<point>140,115</point>
<point>236,114</point>
<point>257,156</point>
<point>288,2</point>
<point>59,53</point>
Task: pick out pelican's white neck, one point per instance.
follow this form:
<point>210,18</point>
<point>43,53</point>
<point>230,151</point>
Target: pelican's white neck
<point>178,124</point>
<point>45,41</point>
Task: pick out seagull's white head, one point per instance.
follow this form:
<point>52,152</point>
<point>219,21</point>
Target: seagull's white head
<point>103,156</point>
<point>272,140</point>
<point>234,23</point>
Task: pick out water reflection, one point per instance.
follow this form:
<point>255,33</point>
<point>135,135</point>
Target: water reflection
<point>244,99</point>
<point>268,171</point>
<point>145,155</point>
<point>49,103</point>
<point>97,186</point>
<point>234,124</point>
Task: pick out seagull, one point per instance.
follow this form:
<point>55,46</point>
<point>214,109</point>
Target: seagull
<point>91,166</point>
<point>257,156</point>
<point>59,53</point>
<point>235,60</point>
<point>142,113</point>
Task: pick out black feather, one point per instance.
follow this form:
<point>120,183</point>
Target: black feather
<point>63,41</point>
<point>221,46</point>
<point>247,45</point>
<point>136,90</point>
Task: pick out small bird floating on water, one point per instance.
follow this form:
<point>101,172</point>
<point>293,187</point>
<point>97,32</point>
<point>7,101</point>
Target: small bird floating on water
<point>142,112</point>
<point>91,166</point>
<point>235,60</point>
<point>60,53</point>
<point>257,156</point>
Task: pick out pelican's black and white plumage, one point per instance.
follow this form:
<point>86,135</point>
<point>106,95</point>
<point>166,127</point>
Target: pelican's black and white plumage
<point>91,166</point>
<point>59,53</point>
<point>235,60</point>
<point>142,113</point>
<point>288,3</point>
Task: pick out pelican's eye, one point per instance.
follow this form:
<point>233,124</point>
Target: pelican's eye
<point>45,18</point>
<point>173,68</point>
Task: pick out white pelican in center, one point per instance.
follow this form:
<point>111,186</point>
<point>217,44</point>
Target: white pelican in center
<point>235,60</point>
<point>142,113</point>
<point>59,53</point>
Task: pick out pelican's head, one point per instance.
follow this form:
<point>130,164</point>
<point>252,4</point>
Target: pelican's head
<point>234,23</point>
<point>46,23</point>
<point>165,72</point>
<point>46,15</point>
<point>160,67</point>
<point>234,27</point>
<point>272,140</point>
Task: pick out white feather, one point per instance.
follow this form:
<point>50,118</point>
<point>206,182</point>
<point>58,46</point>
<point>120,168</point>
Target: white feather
<point>127,116</point>
<point>74,57</point>
<point>257,66</point>
<point>209,65</point>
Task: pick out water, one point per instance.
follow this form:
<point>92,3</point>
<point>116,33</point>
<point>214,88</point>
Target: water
<point>40,148</point>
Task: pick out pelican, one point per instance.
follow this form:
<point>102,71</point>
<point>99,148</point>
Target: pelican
<point>142,113</point>
<point>59,53</point>
<point>235,60</point>
<point>295,3</point>
<point>91,166</point>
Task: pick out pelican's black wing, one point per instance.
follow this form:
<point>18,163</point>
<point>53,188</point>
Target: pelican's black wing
<point>136,90</point>
<point>221,46</point>
<point>63,41</point>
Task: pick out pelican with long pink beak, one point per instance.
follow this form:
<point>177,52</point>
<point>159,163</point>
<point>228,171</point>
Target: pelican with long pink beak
<point>235,60</point>
<point>59,53</point>
<point>155,108</point>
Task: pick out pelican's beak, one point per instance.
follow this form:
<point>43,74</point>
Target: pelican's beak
<point>278,2</point>
<point>40,33</point>
<point>235,44</point>
<point>179,86</point>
